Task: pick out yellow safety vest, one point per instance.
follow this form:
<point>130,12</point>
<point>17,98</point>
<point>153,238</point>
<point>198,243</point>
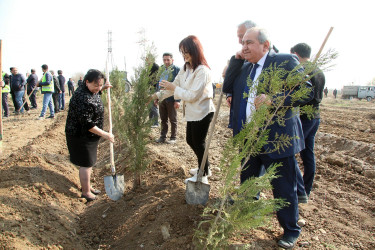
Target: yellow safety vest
<point>50,87</point>
<point>5,89</point>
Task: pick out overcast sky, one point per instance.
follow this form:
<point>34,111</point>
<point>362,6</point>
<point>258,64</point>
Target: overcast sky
<point>72,35</point>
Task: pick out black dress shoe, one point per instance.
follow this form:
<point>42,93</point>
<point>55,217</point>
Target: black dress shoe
<point>287,242</point>
<point>88,199</point>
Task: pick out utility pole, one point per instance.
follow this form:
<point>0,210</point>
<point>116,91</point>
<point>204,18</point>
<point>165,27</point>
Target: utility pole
<point>110,54</point>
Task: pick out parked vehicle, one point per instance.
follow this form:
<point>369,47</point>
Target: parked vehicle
<point>360,92</point>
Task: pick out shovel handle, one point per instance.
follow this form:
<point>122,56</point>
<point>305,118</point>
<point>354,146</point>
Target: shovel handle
<point>27,97</point>
<point>323,44</point>
<point>112,159</point>
<point>210,134</point>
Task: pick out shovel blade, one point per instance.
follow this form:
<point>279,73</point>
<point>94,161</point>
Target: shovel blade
<point>114,186</point>
<point>197,193</point>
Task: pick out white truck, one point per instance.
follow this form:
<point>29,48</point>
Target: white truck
<point>360,92</point>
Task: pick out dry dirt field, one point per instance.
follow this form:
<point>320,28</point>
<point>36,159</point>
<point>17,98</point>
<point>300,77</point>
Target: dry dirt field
<point>41,209</point>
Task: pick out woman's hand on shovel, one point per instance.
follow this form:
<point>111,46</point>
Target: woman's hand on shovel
<point>108,136</point>
<point>107,86</point>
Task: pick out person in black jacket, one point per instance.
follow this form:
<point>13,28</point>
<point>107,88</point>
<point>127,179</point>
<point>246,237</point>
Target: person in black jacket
<point>17,85</point>
<point>62,88</point>
<point>227,73</point>
<point>309,125</point>
<point>84,127</point>
<point>56,93</point>
<point>70,87</point>
<point>11,92</point>
<point>32,80</point>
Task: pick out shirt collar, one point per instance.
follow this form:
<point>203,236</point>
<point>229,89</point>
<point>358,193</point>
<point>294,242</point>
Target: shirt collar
<point>262,60</point>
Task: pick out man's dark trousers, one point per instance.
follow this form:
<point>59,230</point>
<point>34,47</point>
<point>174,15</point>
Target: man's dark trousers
<point>167,110</point>
<point>15,105</point>
<point>18,100</point>
<point>62,100</point>
<point>284,186</point>
<point>56,104</point>
<point>4,101</point>
<point>154,114</point>
<point>309,127</point>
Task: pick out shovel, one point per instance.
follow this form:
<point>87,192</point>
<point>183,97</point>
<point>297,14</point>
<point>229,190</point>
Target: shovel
<point>198,192</point>
<point>28,97</point>
<point>114,184</point>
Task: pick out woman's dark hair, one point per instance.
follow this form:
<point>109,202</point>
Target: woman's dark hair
<point>93,75</point>
<point>193,46</point>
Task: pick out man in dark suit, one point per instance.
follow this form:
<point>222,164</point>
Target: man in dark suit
<point>32,80</point>
<point>62,88</point>
<point>259,57</point>
<point>70,86</point>
<point>310,125</point>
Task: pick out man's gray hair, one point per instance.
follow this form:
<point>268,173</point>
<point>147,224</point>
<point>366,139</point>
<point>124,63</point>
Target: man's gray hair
<point>248,24</point>
<point>262,35</point>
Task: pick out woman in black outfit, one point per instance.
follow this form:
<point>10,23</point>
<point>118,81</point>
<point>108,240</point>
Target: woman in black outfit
<point>84,127</point>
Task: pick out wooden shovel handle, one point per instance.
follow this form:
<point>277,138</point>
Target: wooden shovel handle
<point>112,159</point>
<point>28,97</point>
<point>323,44</point>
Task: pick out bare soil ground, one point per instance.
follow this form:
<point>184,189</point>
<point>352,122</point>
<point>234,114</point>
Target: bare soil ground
<point>41,209</point>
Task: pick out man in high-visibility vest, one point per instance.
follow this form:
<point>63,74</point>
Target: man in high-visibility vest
<point>47,89</point>
<point>4,94</point>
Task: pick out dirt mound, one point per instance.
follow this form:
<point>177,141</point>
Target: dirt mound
<point>350,154</point>
<point>38,193</point>
<point>138,220</point>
